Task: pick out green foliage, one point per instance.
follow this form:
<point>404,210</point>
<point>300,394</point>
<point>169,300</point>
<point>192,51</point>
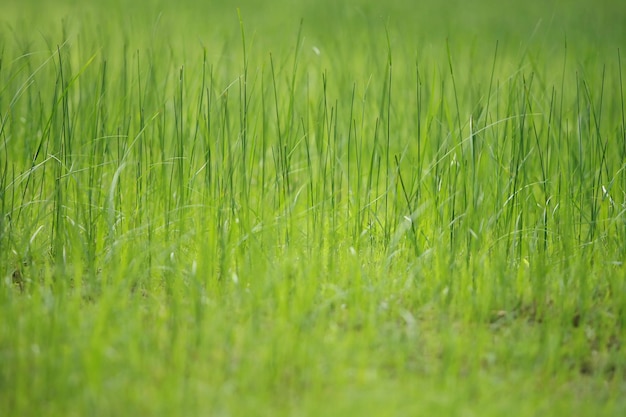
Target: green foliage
<point>311,208</point>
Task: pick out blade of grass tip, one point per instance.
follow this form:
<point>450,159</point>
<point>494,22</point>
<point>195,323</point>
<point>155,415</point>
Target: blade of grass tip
<point>349,154</point>
<point>523,166</point>
<point>276,105</point>
<point>601,153</point>
<point>165,173</point>
<point>324,146</point>
<point>311,198</point>
<point>140,145</point>
<point>207,142</point>
<point>95,163</point>
<point>337,169</point>
<point>358,160</point>
<point>418,101</point>
<point>547,196</point>
<point>515,158</point>
<point>263,144</point>
<point>591,155</point>
<point>623,135</point>
<point>493,71</point>
<point>62,158</point>
<point>278,160</point>
<point>388,221</point>
<point>543,161</point>
<point>621,90</point>
<point>442,149</point>
<point>228,188</point>
<point>243,85</point>
<point>581,164</point>
<point>309,165</point>
<point>486,112</point>
<point>370,177</point>
<point>3,118</point>
<point>562,94</point>
<point>560,136</point>
<point>292,92</point>
<point>456,96</point>
<point>181,144</point>
<point>193,171</point>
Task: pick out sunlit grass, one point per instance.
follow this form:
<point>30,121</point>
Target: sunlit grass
<point>312,209</point>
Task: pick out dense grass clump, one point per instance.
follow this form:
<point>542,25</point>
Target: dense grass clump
<point>312,209</point>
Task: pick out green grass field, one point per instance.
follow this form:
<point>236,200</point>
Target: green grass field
<point>312,208</point>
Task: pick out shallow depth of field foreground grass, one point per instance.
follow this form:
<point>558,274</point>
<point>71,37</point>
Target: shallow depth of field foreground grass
<point>310,208</point>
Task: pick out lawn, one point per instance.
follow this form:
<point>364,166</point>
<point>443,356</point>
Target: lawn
<point>312,208</point>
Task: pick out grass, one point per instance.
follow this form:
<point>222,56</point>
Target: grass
<point>312,209</point>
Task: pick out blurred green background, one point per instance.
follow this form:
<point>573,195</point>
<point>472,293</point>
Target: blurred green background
<point>600,23</point>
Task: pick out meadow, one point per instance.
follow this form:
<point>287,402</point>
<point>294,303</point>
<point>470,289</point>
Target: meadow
<point>307,208</point>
